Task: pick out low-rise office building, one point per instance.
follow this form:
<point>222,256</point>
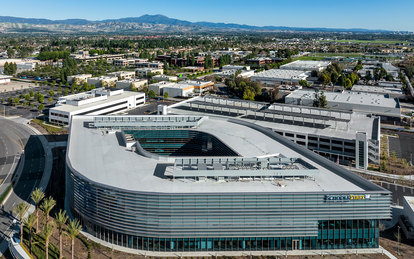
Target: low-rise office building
<point>193,69</point>
<point>229,73</point>
<point>390,91</point>
<point>306,65</point>
<point>158,87</point>
<point>280,76</point>
<point>344,137</point>
<point>103,81</point>
<point>98,101</point>
<point>185,183</point>
<point>235,67</point>
<point>377,104</point>
<point>154,64</point>
<point>123,74</point>
<point>123,62</point>
<point>130,84</point>
<point>145,71</point>
<point>79,79</point>
<point>165,78</point>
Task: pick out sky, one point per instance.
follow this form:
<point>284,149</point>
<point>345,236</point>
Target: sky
<point>395,15</point>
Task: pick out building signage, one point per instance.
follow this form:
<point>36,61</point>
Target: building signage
<point>347,197</point>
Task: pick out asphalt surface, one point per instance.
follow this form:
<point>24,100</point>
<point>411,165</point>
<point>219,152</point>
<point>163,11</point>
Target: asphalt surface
<point>403,145</point>
<point>14,138</point>
<point>398,192</point>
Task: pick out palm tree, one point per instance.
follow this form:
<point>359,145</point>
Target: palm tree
<point>37,196</point>
<point>61,220</point>
<point>47,232</point>
<point>20,210</point>
<point>47,206</point>
<point>30,222</point>
<point>74,229</point>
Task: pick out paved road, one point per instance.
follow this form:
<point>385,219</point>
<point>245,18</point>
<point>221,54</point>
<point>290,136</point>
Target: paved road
<point>20,138</point>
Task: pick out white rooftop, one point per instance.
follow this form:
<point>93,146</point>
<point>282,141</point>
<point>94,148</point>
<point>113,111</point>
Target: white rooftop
<point>376,89</point>
<point>281,73</point>
<point>306,65</point>
<point>97,155</point>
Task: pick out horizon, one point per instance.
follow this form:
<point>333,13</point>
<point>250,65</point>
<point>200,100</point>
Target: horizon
<point>323,12</point>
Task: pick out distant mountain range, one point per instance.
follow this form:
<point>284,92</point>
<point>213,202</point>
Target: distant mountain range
<point>147,23</point>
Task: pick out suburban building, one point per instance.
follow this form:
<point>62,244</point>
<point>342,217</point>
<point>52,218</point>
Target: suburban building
<point>98,101</point>
<point>4,79</point>
<point>306,65</point>
<point>26,66</point>
<point>170,184</point>
<point>235,67</point>
<point>230,73</point>
<point>145,71</point>
<point>158,87</point>
<point>376,104</point>
<point>123,74</point>
<point>165,78</point>
<point>103,81</point>
<point>79,79</point>
<point>391,70</point>
<point>344,137</point>
<point>154,64</point>
<point>193,69</point>
<point>280,76</point>
<point>123,62</point>
<point>132,83</point>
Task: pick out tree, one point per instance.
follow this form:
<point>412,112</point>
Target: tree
<point>348,84</point>
<point>10,53</point>
<point>303,83</point>
<point>37,196</point>
<point>41,107</point>
<point>47,232</point>
<point>166,95</point>
<point>322,100</point>
<point>248,95</point>
<point>151,94</point>
<point>47,206</point>
<point>30,221</point>
<point>74,229</point>
<point>61,220</point>
<point>20,210</point>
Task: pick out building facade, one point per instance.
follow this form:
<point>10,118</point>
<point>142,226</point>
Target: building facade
<point>246,199</point>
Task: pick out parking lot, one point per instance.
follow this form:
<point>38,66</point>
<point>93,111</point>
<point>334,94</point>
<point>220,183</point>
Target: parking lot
<point>403,145</point>
<point>15,86</point>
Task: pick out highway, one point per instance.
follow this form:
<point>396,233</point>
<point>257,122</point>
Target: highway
<point>15,139</point>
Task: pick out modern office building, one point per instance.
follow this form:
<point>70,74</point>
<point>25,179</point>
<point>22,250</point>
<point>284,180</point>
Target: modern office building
<point>377,104</point>
<point>204,183</point>
<point>99,101</point>
<point>345,137</point>
<point>280,76</point>
<point>306,65</point>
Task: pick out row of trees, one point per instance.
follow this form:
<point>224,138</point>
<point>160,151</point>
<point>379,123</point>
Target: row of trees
<point>10,68</point>
<point>53,55</point>
<point>46,205</point>
<point>335,75</point>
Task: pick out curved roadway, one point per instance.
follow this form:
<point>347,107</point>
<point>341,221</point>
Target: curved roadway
<point>17,139</point>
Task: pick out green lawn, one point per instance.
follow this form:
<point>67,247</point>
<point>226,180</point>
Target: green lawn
<point>309,58</point>
<point>51,129</point>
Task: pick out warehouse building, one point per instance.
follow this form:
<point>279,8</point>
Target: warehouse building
<point>348,138</point>
<point>280,76</point>
<point>306,65</point>
<point>190,183</point>
<point>376,104</point>
<point>99,101</point>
